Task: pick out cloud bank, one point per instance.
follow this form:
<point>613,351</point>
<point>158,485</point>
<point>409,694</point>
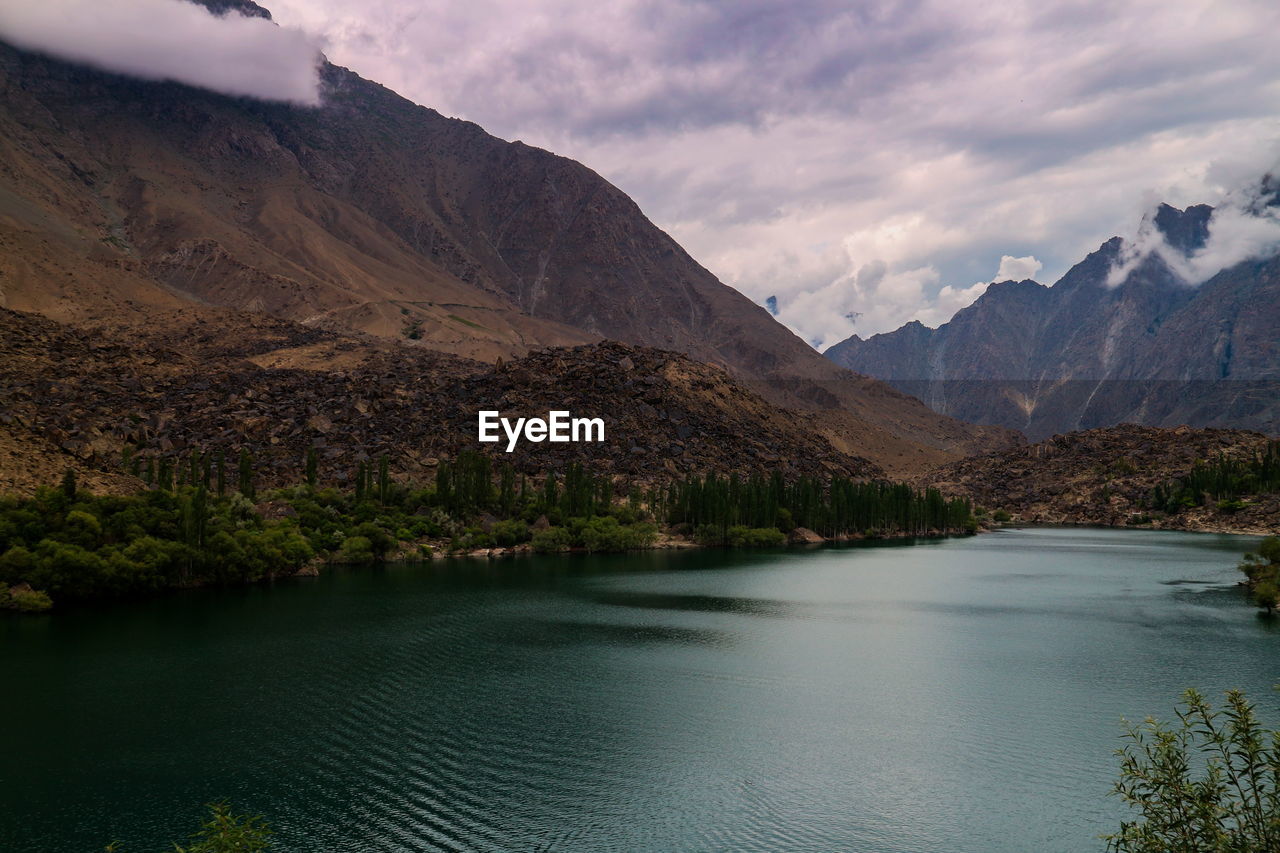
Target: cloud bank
<point>172,40</point>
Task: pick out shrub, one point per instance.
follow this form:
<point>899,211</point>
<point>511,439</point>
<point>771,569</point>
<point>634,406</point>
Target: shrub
<point>756,537</point>
<point>551,541</point>
<point>223,832</point>
<point>24,599</point>
<point>1001,516</point>
<point>606,534</point>
<point>510,532</point>
<point>1208,783</point>
<point>356,549</point>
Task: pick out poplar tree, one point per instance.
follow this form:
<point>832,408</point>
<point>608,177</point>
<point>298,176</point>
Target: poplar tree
<point>246,474</point>
<point>222,473</point>
<point>384,479</point>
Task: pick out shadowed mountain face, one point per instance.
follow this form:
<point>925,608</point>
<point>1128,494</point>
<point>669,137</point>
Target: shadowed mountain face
<point>1082,354</point>
<point>369,213</point>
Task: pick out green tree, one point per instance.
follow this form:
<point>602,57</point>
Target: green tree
<point>384,479</point>
<point>246,474</point>
<point>69,484</point>
<point>1262,574</point>
<point>221,464</point>
<point>1209,783</point>
<point>311,467</point>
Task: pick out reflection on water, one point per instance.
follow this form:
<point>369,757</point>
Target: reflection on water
<point>960,695</point>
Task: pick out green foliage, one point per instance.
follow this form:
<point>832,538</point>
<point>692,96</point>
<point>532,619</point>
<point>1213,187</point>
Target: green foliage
<point>114,545</point>
<point>739,536</point>
<point>605,534</point>
<point>356,549</point>
<point>1262,574</point>
<point>1209,783</point>
<point>510,532</point>
<point>832,507</point>
<point>190,530</point>
<point>552,540</point>
<point>24,599</point>
<point>223,832</point>
<point>246,475</point>
<point>384,480</point>
<point>1223,480</point>
<point>227,832</point>
<point>1001,516</point>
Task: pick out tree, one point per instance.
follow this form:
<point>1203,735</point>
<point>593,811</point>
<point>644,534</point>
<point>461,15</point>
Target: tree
<point>384,479</point>
<point>222,473</point>
<point>361,476</point>
<point>1262,574</point>
<point>1267,596</point>
<point>311,467</point>
<point>246,474</point>
<point>1209,783</point>
<point>69,484</point>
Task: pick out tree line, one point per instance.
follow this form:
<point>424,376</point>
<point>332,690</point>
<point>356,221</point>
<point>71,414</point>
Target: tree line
<point>1224,480</point>
<point>831,507</point>
<point>203,519</point>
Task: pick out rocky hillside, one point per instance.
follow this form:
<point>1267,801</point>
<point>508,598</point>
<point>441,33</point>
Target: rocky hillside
<point>196,380</point>
<point>1082,354</point>
<point>1107,477</point>
<point>121,197</point>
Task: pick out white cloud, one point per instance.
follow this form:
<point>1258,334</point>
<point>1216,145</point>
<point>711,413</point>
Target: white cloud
<point>172,40</point>
<point>1017,269</point>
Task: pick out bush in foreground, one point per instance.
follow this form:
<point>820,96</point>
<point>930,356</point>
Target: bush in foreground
<point>1209,783</point>
<point>223,832</point>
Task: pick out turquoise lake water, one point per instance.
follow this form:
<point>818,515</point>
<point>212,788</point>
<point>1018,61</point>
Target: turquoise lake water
<point>955,695</point>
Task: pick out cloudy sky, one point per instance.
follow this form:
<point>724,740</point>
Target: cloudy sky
<point>868,163</point>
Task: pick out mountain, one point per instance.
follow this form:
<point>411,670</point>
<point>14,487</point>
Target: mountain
<point>1151,350</point>
<point>121,197</point>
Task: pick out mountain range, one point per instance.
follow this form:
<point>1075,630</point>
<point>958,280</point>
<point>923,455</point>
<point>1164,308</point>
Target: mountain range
<point>124,200</point>
<point>1091,351</point>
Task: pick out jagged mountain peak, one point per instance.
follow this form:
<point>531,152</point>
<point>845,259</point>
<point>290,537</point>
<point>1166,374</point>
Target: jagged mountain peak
<point>1124,335</point>
<point>1185,230</point>
<point>245,7</point>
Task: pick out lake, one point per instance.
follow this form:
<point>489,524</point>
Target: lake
<point>953,695</point>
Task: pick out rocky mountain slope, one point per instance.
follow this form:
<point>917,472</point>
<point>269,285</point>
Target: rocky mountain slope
<point>1107,476</point>
<point>121,197</point>
<point>1083,354</point>
<point>199,379</point>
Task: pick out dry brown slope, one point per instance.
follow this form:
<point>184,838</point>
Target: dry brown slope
<point>277,389</point>
<point>1105,476</point>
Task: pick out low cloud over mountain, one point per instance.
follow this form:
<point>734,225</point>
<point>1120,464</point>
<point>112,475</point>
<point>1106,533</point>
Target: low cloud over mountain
<point>172,40</point>
<point>1245,226</point>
